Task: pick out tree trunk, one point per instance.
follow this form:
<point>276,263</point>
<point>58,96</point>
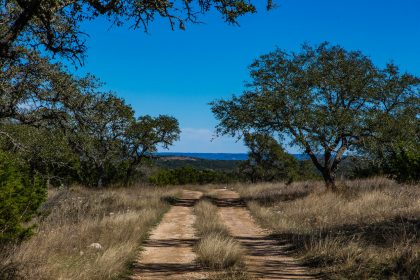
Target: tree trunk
<point>100,182</point>
<point>329,178</point>
<point>128,174</point>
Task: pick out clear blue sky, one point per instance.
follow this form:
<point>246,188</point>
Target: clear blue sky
<point>179,72</point>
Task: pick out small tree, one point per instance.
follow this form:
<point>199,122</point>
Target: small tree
<point>144,135</point>
<point>267,161</point>
<point>327,100</point>
<point>20,197</point>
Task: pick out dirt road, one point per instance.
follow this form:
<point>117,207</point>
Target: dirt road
<point>168,253</point>
<point>266,257</point>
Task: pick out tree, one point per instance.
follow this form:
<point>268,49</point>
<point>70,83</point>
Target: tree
<point>20,197</point>
<point>46,152</point>
<point>41,106</point>
<point>327,100</point>
<point>144,135</point>
<point>36,92</point>
<point>267,161</point>
<point>97,134</point>
<point>395,151</point>
<point>55,25</point>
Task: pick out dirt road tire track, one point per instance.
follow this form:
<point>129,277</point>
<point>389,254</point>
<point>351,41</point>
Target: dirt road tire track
<point>168,252</point>
<point>266,258</point>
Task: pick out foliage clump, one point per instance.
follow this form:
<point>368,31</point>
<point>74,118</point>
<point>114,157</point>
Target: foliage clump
<point>267,161</point>
<point>21,193</point>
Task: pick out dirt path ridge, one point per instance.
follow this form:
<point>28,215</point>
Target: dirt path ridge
<point>266,257</point>
<point>168,252</point>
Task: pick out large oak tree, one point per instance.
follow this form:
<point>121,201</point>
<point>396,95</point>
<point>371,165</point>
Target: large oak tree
<point>327,100</point>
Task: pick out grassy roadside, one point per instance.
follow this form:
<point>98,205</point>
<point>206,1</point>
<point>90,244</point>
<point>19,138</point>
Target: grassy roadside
<point>368,230</point>
<point>216,249</point>
<point>73,220</point>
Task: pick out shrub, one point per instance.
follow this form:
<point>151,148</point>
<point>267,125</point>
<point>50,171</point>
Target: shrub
<point>267,160</point>
<point>404,164</point>
<point>20,196</point>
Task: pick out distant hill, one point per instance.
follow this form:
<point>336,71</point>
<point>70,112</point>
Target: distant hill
<point>213,161</point>
<point>216,156</point>
<point>208,156</point>
<point>177,161</point>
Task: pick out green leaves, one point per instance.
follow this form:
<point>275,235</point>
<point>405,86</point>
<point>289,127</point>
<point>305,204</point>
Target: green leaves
<point>325,99</point>
<point>20,197</point>
<point>54,26</point>
<point>67,128</point>
<point>145,134</point>
<point>143,137</point>
<point>267,161</point>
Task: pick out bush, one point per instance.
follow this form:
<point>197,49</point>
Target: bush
<point>404,164</point>
<point>268,161</point>
<point>20,196</point>
<point>400,162</point>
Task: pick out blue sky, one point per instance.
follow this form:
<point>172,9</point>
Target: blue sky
<point>179,72</point>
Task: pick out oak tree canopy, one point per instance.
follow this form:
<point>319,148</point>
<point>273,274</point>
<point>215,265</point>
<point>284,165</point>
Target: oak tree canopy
<point>326,100</point>
<point>54,25</point>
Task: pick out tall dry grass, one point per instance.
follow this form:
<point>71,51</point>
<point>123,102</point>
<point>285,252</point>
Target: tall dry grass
<point>370,229</point>
<point>216,249</point>
<point>73,219</point>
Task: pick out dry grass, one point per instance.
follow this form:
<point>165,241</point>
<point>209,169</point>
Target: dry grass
<point>117,219</point>
<point>208,221</point>
<point>368,230</point>
<point>216,249</point>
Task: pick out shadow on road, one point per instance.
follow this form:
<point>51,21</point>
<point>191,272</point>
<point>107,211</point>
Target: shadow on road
<point>186,202</point>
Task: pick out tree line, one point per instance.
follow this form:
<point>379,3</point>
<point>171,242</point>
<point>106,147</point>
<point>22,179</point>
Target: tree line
<point>57,129</point>
<point>67,128</point>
